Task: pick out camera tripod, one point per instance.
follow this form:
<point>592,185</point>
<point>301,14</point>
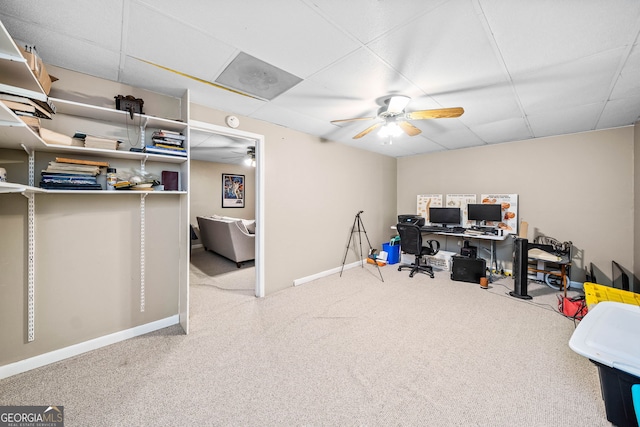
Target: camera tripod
<point>358,227</point>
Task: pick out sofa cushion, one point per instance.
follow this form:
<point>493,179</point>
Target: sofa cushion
<point>241,226</point>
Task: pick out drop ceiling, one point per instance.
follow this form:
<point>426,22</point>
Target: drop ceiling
<point>521,69</point>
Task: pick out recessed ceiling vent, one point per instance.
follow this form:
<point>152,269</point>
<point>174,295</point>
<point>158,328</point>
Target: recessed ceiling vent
<point>257,78</point>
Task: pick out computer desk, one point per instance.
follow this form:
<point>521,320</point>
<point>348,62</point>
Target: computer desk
<point>491,237</point>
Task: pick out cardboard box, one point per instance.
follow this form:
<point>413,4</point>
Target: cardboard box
<point>39,70</point>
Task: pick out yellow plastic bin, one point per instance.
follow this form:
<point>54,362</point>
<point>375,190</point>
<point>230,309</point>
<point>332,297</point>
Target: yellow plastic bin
<point>595,293</point>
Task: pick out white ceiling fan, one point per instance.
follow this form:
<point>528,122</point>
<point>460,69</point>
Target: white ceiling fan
<point>393,114</point>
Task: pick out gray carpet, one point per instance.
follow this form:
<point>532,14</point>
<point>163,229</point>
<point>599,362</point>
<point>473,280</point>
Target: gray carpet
<point>339,351</point>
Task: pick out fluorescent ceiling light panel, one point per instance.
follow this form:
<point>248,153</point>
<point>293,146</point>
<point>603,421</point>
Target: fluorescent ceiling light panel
<point>257,78</point>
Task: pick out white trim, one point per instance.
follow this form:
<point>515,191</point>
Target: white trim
<point>260,191</point>
<point>260,198</point>
<point>83,347</point>
<point>303,280</point>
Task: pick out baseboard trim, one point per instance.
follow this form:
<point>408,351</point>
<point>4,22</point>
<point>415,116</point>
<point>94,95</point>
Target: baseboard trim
<point>83,347</point>
<point>303,280</point>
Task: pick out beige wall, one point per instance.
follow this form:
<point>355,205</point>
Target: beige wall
<point>87,273</point>
<point>314,189</point>
<point>575,187</point>
<point>205,190</point>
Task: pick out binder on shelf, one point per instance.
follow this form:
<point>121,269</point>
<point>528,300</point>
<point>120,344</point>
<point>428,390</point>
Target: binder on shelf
<point>170,180</point>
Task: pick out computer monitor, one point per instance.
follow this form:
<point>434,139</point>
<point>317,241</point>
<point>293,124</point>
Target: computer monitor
<point>445,216</point>
<point>484,212</point>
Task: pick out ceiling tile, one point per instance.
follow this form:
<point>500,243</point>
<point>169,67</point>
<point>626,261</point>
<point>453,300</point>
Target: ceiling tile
<point>536,34</point>
<point>502,131</point>
<point>583,81</point>
<point>443,50</point>
<point>367,23</point>
<point>200,55</point>
<point>562,122</point>
<point>628,83</point>
<point>620,112</point>
<point>97,24</point>
<point>294,37</point>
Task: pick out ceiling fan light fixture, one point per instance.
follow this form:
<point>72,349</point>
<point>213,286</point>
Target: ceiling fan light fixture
<point>250,160</point>
<point>390,130</point>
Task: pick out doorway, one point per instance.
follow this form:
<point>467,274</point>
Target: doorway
<point>227,149</point>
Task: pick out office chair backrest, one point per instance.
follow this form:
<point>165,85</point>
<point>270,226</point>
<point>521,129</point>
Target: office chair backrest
<point>410,238</point>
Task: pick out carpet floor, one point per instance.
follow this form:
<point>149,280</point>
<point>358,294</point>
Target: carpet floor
<point>338,351</point>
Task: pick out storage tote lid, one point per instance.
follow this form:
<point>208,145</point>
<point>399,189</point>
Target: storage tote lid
<point>610,334</point>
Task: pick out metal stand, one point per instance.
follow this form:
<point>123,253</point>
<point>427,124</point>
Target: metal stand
<point>358,227</point>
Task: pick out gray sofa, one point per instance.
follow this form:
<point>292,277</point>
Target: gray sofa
<point>233,238</point>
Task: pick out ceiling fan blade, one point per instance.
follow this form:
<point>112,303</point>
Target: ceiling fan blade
<point>409,129</point>
<point>367,130</point>
<point>352,120</point>
<point>397,103</point>
<point>440,113</point>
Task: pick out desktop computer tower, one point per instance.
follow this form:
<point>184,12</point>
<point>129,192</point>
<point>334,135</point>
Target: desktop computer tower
<point>464,269</point>
<point>520,268</point>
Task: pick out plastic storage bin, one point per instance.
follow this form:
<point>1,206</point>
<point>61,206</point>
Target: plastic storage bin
<point>441,260</point>
<point>595,293</point>
<point>609,335</point>
<point>393,252</point>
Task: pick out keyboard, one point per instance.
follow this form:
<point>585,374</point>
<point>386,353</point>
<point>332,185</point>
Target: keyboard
<point>442,229</point>
<point>433,228</point>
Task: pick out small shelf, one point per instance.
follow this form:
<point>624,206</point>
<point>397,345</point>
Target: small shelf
<point>110,193</point>
<point>17,78</point>
<point>111,115</point>
<point>14,134</point>
<point>10,187</point>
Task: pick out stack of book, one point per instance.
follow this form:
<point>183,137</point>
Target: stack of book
<point>167,142</point>
<point>103,143</point>
<point>29,110</point>
<point>72,174</point>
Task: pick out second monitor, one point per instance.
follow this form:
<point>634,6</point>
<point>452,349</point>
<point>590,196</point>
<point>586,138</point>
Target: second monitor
<point>445,216</point>
<point>484,212</point>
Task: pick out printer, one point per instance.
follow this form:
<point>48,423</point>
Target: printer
<point>411,219</point>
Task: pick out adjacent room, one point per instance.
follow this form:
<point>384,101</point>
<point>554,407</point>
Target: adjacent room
<point>320,213</point>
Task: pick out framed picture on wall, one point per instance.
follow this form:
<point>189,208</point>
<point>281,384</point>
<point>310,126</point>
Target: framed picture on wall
<point>232,191</point>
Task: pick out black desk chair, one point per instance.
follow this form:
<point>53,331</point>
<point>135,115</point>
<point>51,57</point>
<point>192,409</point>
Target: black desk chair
<point>411,243</point>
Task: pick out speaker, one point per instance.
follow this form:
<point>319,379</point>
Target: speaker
<point>520,267</point>
<point>466,269</point>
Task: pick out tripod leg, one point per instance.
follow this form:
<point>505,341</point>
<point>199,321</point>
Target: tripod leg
<point>353,227</point>
<point>360,224</point>
<point>360,240</point>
